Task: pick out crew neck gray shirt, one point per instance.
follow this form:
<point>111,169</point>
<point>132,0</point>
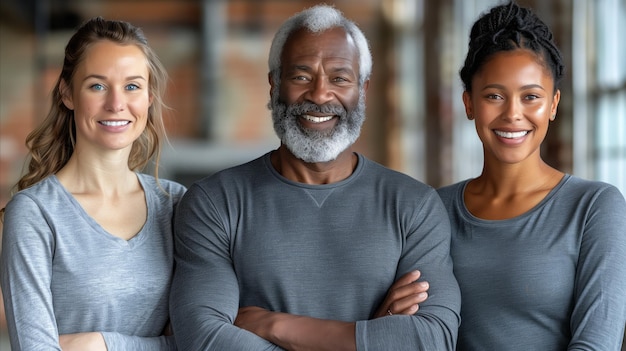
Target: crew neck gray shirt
<point>553,278</point>
<point>62,273</point>
<point>248,236</point>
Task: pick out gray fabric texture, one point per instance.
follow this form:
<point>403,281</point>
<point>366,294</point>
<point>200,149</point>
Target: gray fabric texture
<point>249,237</point>
<point>62,273</point>
<point>553,278</point>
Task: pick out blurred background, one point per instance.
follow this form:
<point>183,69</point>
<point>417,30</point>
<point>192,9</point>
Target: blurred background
<point>216,54</point>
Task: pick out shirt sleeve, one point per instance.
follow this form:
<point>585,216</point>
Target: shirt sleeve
<point>599,313</point>
<point>435,325</point>
<point>26,272</point>
<point>28,250</point>
<point>204,299</point>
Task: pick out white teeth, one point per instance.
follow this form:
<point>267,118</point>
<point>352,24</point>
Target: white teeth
<point>114,123</point>
<point>511,135</point>
<point>315,119</point>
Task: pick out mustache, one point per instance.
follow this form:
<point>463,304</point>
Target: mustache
<point>305,107</point>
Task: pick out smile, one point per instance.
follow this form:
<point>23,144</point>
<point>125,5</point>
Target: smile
<point>114,123</point>
<point>315,119</point>
<point>511,135</point>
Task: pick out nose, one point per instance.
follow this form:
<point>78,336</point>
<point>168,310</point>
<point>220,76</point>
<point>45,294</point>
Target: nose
<point>115,101</point>
<point>320,92</point>
<point>513,111</point>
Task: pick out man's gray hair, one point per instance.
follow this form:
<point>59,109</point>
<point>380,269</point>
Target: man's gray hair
<point>318,19</point>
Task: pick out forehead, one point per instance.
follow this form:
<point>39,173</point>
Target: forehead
<point>332,44</point>
<point>104,56</point>
<point>515,67</point>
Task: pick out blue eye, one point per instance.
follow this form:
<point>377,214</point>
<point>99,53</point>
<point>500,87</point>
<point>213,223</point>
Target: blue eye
<point>132,87</point>
<point>97,86</point>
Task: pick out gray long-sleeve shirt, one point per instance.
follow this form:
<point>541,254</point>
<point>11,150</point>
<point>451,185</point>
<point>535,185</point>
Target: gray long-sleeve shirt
<point>551,279</point>
<point>62,273</point>
<point>249,237</point>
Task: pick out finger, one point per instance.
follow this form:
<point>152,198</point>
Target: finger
<point>406,279</point>
<point>404,297</point>
<point>409,311</point>
<point>408,304</point>
<point>406,290</point>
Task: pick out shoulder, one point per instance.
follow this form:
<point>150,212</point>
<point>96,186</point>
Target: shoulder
<point>32,210</point>
<point>583,190</point>
<point>45,191</point>
<point>449,192</point>
<point>234,175</point>
<point>163,188</point>
<point>590,203</point>
<point>392,178</point>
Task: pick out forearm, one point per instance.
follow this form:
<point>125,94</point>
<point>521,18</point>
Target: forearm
<point>91,341</point>
<point>96,341</point>
<point>117,341</point>
<point>299,333</point>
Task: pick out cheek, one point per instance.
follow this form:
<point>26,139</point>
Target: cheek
<point>349,99</point>
<point>140,106</point>
<point>541,109</point>
<point>84,101</point>
<point>290,93</point>
<point>482,130</point>
<point>85,108</point>
<point>541,114</point>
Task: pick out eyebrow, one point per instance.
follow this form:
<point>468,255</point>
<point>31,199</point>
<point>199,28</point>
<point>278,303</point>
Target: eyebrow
<point>502,87</point>
<point>97,76</point>
<point>338,69</point>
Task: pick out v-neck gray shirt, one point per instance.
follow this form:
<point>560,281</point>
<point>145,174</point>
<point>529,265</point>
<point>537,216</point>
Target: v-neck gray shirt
<point>63,273</point>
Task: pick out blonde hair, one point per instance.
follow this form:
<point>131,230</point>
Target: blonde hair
<point>52,143</point>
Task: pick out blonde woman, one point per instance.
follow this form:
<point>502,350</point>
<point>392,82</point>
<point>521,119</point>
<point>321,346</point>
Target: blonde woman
<point>87,241</point>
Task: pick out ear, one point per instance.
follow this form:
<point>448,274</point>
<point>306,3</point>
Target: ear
<point>467,101</point>
<point>555,103</point>
<point>66,95</point>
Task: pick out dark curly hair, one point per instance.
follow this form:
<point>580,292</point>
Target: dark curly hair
<point>510,27</point>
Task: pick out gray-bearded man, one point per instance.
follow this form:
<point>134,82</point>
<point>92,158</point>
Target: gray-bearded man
<point>300,248</point>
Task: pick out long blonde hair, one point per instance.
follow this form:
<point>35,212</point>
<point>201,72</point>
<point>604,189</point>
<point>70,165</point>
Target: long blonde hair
<point>52,143</point>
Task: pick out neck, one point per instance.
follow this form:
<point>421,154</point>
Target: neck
<point>299,171</point>
<point>510,179</point>
<point>97,174</point>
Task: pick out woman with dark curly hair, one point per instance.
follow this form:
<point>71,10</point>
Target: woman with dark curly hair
<point>87,251</point>
<point>539,254</point>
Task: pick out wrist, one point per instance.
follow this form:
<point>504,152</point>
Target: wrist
<point>277,332</point>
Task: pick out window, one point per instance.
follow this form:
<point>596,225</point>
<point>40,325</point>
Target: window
<point>599,87</point>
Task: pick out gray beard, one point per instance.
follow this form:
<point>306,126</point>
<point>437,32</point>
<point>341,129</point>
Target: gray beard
<point>313,146</point>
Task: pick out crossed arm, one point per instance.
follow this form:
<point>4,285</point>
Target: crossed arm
<point>293,332</point>
<point>92,341</point>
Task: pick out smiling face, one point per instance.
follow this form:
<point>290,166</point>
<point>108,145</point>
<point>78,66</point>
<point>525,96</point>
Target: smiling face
<point>512,100</point>
<point>320,107</point>
<point>109,96</point>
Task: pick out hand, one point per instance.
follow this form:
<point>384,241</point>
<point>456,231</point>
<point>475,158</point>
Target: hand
<point>404,296</point>
<point>82,342</point>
